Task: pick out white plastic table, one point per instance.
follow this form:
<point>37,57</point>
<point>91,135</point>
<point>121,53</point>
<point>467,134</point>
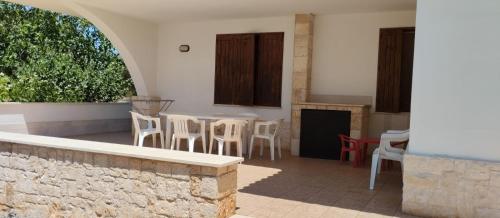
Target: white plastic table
<point>214,117</point>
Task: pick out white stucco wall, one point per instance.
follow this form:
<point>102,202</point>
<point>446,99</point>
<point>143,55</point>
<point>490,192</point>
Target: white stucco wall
<point>346,51</point>
<point>456,104</point>
<point>345,59</point>
<point>189,77</point>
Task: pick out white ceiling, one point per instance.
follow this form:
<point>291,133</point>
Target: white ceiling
<point>173,10</point>
<point>160,11</point>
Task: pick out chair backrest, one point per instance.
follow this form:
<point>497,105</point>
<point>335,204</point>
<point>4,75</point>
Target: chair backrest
<point>181,124</point>
<point>14,123</point>
<point>347,141</point>
<point>233,129</point>
<point>135,120</point>
<point>272,127</point>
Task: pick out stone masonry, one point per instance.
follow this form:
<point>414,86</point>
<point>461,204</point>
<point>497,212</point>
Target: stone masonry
<point>302,57</point>
<point>47,182</point>
<point>446,187</point>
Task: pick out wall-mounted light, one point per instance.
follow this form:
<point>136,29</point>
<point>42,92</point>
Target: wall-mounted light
<point>184,48</point>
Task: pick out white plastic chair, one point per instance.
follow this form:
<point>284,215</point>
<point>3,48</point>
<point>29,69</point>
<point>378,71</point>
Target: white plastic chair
<point>386,152</point>
<point>233,130</point>
<point>270,131</point>
<point>141,133</point>
<point>181,131</point>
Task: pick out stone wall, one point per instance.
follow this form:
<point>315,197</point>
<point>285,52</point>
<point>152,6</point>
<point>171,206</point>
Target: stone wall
<point>445,187</point>
<point>48,182</point>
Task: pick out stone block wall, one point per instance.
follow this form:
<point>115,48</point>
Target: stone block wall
<point>446,187</point>
<point>47,182</point>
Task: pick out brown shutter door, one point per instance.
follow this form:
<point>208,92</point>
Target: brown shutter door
<point>407,69</point>
<point>234,69</point>
<point>389,70</point>
<point>269,68</point>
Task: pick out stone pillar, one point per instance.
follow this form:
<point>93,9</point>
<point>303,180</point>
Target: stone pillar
<point>302,67</point>
<point>302,57</point>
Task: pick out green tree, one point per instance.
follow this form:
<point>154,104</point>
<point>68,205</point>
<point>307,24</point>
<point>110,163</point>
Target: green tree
<point>52,57</point>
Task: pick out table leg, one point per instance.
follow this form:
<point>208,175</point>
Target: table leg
<point>249,133</point>
<point>168,134</point>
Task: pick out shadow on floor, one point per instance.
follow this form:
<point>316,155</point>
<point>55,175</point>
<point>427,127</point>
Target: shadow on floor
<point>321,187</point>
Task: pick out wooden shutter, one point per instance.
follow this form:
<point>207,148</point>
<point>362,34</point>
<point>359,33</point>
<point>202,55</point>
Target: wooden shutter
<point>389,68</point>
<point>268,69</point>
<point>406,70</point>
<point>395,65</point>
<point>234,69</point>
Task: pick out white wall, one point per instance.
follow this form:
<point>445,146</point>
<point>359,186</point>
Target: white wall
<point>456,104</point>
<point>345,59</point>
<point>189,77</point>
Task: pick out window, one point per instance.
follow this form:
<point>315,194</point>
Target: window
<point>395,68</point>
<point>248,69</point>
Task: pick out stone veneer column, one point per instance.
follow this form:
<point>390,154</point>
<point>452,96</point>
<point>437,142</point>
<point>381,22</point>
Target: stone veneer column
<point>302,58</point>
<point>447,187</point>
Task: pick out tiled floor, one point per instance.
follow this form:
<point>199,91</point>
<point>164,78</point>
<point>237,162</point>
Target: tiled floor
<point>299,187</point>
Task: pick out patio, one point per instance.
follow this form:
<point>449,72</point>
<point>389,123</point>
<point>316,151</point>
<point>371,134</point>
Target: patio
<point>300,187</point>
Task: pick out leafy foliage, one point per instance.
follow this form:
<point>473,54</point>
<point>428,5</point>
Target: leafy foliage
<point>51,57</point>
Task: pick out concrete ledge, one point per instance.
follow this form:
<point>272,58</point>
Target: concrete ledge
<point>447,187</point>
<point>121,150</point>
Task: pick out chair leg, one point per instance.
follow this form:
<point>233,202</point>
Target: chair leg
<point>220,147</point>
<point>228,148</point>
<point>172,142</point>
<point>204,143</point>
<point>379,166</point>
<point>191,144</point>
<point>261,147</point>
<point>375,166</point>
<point>239,148</point>
<point>154,140</point>
<point>141,141</point>
<point>210,145</point>
<point>271,146</point>
<point>342,155</point>
<point>136,138</point>
<point>250,148</point>
<point>162,140</point>
<point>355,161</point>
<point>279,147</point>
<point>178,143</point>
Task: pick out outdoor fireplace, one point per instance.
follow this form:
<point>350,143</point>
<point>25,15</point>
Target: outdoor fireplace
<point>320,130</point>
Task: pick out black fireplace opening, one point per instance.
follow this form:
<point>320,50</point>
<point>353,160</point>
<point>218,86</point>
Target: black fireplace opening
<point>319,130</point>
